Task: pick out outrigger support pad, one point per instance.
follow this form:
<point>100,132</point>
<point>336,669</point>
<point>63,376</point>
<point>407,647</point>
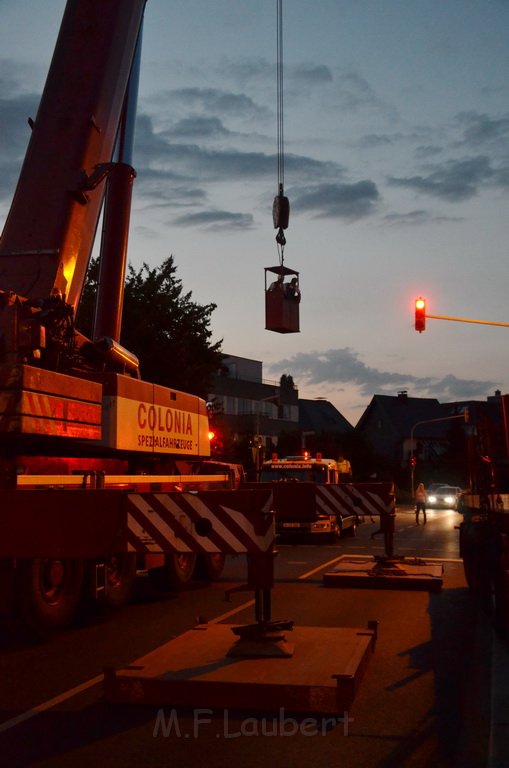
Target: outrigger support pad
<point>265,638</point>
<point>253,630</point>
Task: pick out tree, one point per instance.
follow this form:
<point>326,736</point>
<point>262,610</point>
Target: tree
<point>169,333</point>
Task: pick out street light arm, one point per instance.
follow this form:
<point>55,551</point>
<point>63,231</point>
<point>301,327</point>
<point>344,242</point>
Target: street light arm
<point>426,421</point>
<point>430,421</point>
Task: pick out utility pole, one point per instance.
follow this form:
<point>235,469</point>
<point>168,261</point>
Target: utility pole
<point>464,416</point>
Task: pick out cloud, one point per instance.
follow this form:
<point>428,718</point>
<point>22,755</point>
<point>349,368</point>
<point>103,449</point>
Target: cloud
<point>454,180</point>
<point>14,137</point>
<point>163,189</point>
<point>340,201</point>
<point>15,79</point>
<point>311,74</point>
<point>211,101</point>
<point>198,127</point>
<point>374,141</point>
<point>481,129</point>
<point>196,161</point>
<point>344,366</point>
<point>216,221</point>
<point>428,150</point>
<point>417,217</point>
<point>259,69</point>
<point>502,177</point>
<point>248,69</point>
<point>353,93</point>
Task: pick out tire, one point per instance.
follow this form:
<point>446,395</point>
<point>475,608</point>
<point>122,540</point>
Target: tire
<point>7,589</point>
<point>176,572</point>
<point>210,567</point>
<point>335,536</point>
<point>49,591</point>
<point>120,579</point>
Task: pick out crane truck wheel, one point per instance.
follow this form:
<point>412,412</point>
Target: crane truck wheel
<point>120,578</point>
<point>177,571</point>
<point>48,592</point>
<point>180,568</point>
<point>210,567</point>
<point>337,532</point>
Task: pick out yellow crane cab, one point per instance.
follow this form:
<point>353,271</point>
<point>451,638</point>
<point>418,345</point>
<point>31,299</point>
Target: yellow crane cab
<point>282,299</point>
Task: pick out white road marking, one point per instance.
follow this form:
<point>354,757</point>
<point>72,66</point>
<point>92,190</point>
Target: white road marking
<point>233,611</point>
<point>24,716</point>
<point>49,704</point>
<point>321,567</point>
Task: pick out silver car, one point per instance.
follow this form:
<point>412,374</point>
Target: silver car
<point>444,496</point>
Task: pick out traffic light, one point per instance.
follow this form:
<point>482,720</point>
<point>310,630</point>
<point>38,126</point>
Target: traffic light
<point>420,314</point>
<point>413,462</point>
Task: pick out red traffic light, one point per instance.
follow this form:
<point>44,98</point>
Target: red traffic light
<point>420,314</point>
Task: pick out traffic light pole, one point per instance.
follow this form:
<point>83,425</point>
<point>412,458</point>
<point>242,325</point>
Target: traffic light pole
<point>463,416</point>
<point>421,316</point>
<point>466,320</point>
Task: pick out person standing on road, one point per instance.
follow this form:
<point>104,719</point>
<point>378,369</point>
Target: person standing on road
<point>344,469</point>
<point>420,503</point>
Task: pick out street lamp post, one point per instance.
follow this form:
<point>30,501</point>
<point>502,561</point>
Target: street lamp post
<point>463,416</point>
<point>259,447</point>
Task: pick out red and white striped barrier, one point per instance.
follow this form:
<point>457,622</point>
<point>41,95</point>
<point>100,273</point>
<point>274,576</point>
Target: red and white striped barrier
<point>371,499</point>
<point>203,523</point>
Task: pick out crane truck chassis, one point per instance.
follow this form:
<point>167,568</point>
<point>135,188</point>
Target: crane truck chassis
<point>484,548</point>
<point>484,531</point>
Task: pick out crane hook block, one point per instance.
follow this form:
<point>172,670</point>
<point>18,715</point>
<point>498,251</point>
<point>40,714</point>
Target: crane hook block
<point>281,212</point>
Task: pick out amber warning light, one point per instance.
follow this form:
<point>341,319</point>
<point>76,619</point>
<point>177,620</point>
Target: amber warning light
<point>420,314</point>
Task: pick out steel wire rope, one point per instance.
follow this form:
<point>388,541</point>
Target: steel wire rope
<point>280,101</point>
<point>280,237</point>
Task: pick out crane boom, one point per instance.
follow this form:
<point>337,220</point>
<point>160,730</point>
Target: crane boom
<point>60,392</point>
<point>49,232</point>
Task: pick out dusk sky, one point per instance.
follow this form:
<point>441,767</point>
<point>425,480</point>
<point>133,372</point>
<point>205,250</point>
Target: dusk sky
<point>396,117</point>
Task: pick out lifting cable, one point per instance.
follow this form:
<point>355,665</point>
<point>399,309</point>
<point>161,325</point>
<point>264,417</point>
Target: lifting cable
<point>281,205</point>
<point>280,111</point>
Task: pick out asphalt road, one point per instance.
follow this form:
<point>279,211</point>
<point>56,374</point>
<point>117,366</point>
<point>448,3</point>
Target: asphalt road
<point>427,697</point>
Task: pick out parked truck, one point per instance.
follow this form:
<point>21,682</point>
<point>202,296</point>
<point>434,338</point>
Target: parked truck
<point>310,498</point>
<point>90,489</point>
<point>484,531</point>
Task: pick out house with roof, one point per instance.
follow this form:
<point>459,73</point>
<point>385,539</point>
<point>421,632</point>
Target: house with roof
<point>438,435</point>
<point>319,416</point>
<point>399,426</point>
